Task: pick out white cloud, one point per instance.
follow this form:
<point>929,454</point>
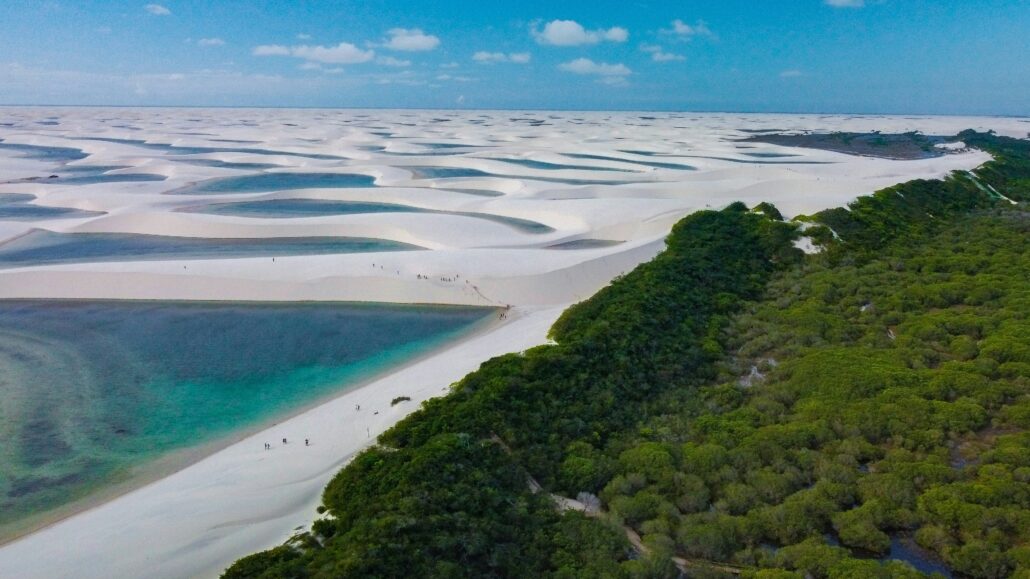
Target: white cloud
<point>448,77</point>
<point>271,50</point>
<point>303,36</point>
<point>791,73</point>
<point>587,66</point>
<point>484,56</point>
<point>494,57</point>
<point>342,53</point>
<point>410,40</point>
<point>157,10</point>
<point>210,42</point>
<point>450,65</point>
<point>314,66</point>
<point>391,61</point>
<point>666,57</point>
<point>572,33</point>
<point>684,31</point>
<point>616,34</point>
<point>845,3</point>
<point>659,55</point>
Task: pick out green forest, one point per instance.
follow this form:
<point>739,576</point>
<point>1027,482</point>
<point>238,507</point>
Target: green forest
<point>734,408</point>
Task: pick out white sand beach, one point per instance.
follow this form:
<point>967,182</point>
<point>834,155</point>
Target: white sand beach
<point>617,199</point>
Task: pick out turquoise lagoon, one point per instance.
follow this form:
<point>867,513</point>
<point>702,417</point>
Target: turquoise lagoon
<point>92,393</point>
<point>289,208</point>
<point>264,182</point>
<point>43,247</point>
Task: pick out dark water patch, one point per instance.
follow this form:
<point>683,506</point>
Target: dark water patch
<point>30,212</point>
<point>645,153</point>
<point>478,192</point>
<point>90,169</point>
<point>107,178</point>
<point>186,150</point>
<point>18,207</point>
<point>446,146</point>
<point>288,208</point>
<point>460,172</point>
<point>426,153</point>
<point>228,164</point>
<point>659,165</point>
<point>292,208</point>
<point>446,172</point>
<point>541,165</point>
<point>265,182</point>
<point>906,550</point>
<point>757,161</point>
<point>41,247</point>
<point>770,155</point>
<point>43,153</point>
<point>15,198</point>
<point>585,244</point>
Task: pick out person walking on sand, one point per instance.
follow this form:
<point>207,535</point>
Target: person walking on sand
<point>307,442</point>
<point>284,440</point>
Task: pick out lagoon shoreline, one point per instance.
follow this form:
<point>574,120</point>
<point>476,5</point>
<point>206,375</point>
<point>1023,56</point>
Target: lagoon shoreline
<point>200,507</point>
<point>136,476</point>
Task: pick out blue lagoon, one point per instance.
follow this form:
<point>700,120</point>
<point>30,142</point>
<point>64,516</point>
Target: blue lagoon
<point>93,392</point>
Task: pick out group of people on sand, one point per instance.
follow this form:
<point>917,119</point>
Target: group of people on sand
<point>307,442</point>
<point>442,278</point>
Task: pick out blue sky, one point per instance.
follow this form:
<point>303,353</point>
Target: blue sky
<point>875,56</point>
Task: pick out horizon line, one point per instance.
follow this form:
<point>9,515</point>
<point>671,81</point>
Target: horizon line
<point>533,109</point>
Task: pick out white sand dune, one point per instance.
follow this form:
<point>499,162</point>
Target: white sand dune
<point>242,498</point>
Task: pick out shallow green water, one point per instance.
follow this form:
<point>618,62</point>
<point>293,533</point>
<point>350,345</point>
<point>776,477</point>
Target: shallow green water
<point>89,390</point>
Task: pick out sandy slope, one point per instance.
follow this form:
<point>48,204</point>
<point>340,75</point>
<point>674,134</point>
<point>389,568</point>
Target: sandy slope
<point>243,498</point>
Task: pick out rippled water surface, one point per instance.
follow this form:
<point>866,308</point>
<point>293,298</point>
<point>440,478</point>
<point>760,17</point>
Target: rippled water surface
<point>90,390</point>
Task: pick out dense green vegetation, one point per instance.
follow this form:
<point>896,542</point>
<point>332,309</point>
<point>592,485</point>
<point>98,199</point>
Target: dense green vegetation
<point>890,146</point>
<point>888,395</point>
<point>741,408</point>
